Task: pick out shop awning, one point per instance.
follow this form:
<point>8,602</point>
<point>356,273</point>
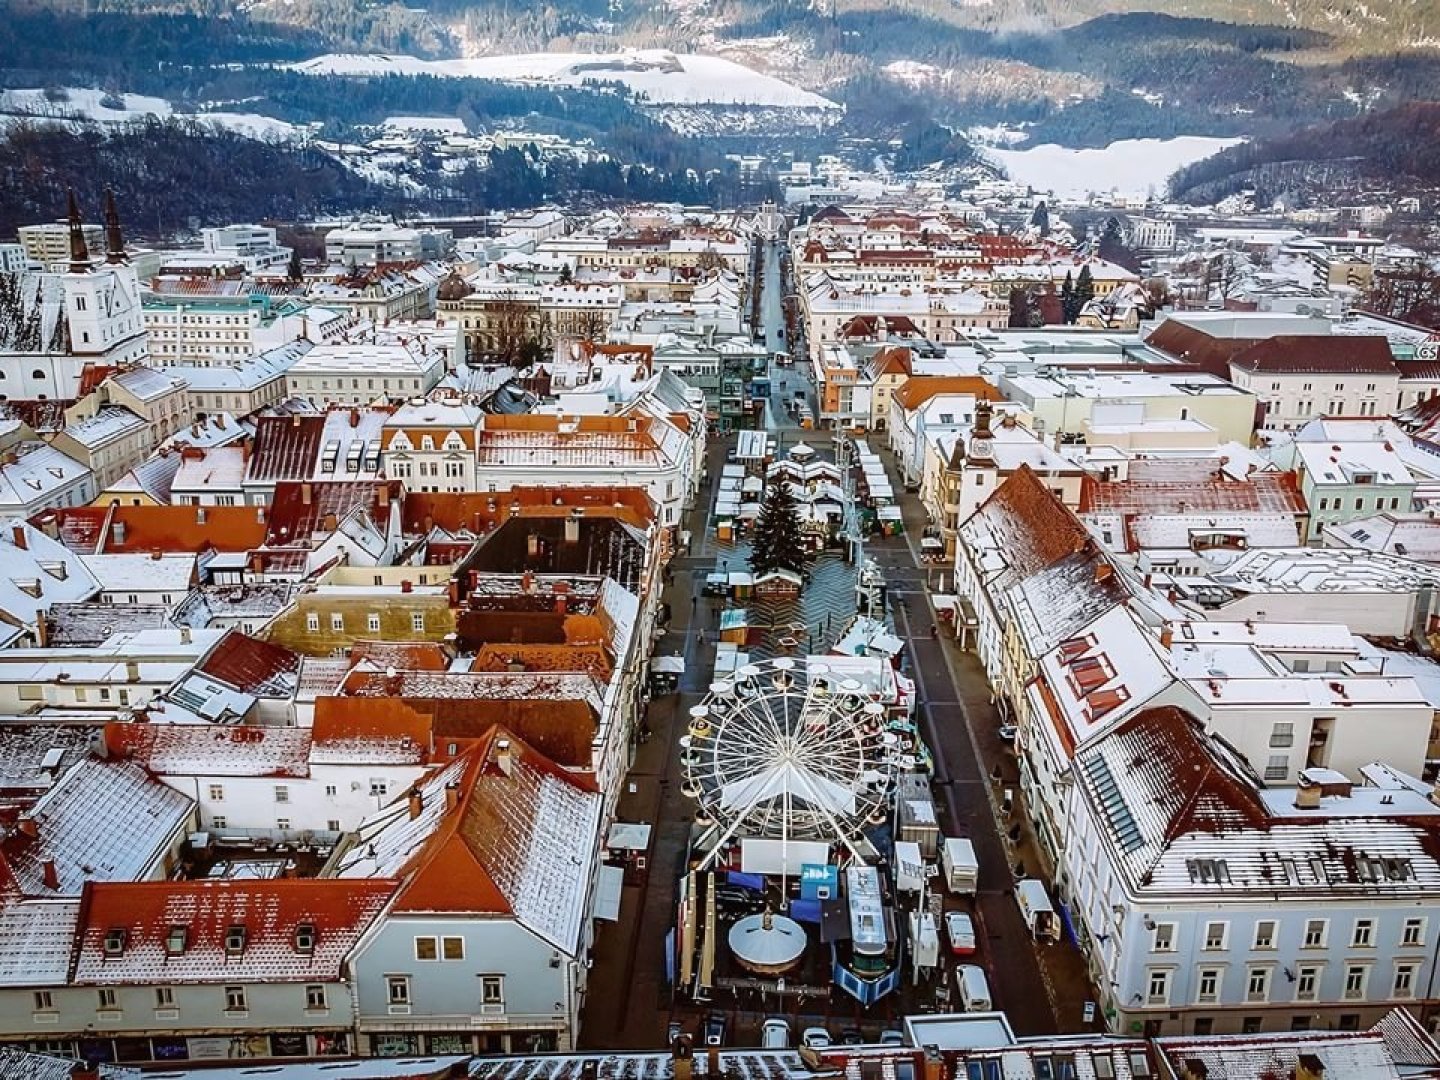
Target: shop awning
<point>607,893</point>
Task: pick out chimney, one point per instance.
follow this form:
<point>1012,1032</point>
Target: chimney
<point>306,494</point>
<point>354,417</point>
<point>1195,1069</point>
<point>572,526</point>
<point>383,495</point>
<point>18,536</point>
<point>1309,1067</point>
<point>132,671</point>
<point>28,826</point>
<point>260,515</point>
<point>712,1062</point>
<point>417,803</point>
<point>117,533</point>
<point>934,1064</point>
<point>452,796</point>
<point>1167,637</point>
<point>503,758</point>
<point>200,515</point>
<point>185,635</point>
<point>330,523</point>
<point>1307,795</point>
<point>407,586</point>
<point>1103,571</point>
<point>527,581</point>
<point>51,875</point>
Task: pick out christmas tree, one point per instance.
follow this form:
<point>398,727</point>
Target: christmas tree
<point>777,543</point>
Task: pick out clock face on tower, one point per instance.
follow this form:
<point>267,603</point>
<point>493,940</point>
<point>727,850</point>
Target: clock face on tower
<point>980,448</point>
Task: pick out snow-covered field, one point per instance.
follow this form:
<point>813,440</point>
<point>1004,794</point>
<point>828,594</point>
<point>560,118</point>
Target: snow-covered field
<point>87,104</point>
<point>663,77</point>
<point>439,125</point>
<point>1128,166</point>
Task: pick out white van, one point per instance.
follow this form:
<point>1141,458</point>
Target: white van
<point>974,988</point>
<point>775,1034</point>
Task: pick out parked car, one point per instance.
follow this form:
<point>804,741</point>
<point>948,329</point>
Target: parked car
<point>775,1034</point>
<point>816,1038</point>
<point>892,1037</point>
<point>715,1030</point>
<point>1008,732</point>
<point>960,929</point>
<point>673,1032</point>
<point>853,1037</point>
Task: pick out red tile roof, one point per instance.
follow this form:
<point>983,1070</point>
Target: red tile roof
<point>1327,354</point>
<point>373,730</point>
<point>299,509</point>
<point>1268,493</point>
<point>336,911</point>
<point>473,511</point>
<point>286,447</point>
<point>402,655</point>
<point>203,749</point>
<point>1209,354</point>
<point>918,389</point>
<point>171,529</point>
<point>252,666</point>
<point>495,816</point>
<point>1037,529</point>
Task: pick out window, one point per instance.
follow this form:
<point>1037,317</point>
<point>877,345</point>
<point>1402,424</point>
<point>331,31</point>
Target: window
<point>1357,977</point>
<point>1277,767</point>
<point>235,999</point>
<point>282,823</point>
<point>282,793</point>
<point>217,793</point>
<point>1265,934</point>
<point>1307,982</point>
<point>235,940</point>
<point>218,821</point>
<point>176,940</point>
<point>1257,984</point>
<point>425,949</point>
<point>107,998</point>
<point>1216,934</point>
<point>1363,935</point>
<point>305,938</point>
<point>1157,990</point>
<point>398,989</point>
<point>1283,734</point>
<point>315,997</point>
<point>337,623</point>
<point>453,948</point>
<point>1413,932</point>
<point>1315,933</point>
<point>372,622</point>
<point>1404,985</point>
<point>417,621</point>
<point>312,622</point>
<point>379,788</point>
<point>164,997</point>
<point>331,791</point>
<point>44,1000</point>
<point>114,942</point>
<point>1207,986</point>
<point>1164,940</point>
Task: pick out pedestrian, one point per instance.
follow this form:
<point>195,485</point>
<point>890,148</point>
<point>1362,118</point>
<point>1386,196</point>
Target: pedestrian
<point>934,630</point>
<point>699,637</point>
<point>693,601</point>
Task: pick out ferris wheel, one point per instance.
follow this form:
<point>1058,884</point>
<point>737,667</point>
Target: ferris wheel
<point>783,752</point>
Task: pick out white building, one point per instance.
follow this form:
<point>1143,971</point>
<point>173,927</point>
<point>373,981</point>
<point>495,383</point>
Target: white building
<point>1209,903</point>
<point>252,246</point>
<point>358,374</point>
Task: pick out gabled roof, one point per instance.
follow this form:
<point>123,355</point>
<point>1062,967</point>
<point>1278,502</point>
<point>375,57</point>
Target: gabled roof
<point>91,529</point>
<point>336,912</point>
<point>1323,354</point>
<point>502,830</point>
<point>1209,353</point>
<point>252,666</point>
<point>211,750</point>
<point>919,389</point>
<point>356,731</point>
<point>301,509</point>
<point>1023,527</point>
<point>1259,493</point>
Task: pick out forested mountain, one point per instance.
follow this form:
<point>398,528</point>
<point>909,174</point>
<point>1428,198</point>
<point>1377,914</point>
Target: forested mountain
<point>1398,147</point>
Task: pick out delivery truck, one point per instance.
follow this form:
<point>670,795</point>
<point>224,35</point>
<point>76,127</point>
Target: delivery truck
<point>961,868</point>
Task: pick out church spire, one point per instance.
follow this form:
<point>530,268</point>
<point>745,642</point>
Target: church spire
<point>79,254</point>
<point>114,241</point>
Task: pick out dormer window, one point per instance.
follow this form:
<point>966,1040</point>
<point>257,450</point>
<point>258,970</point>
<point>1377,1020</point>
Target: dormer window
<point>235,940</point>
<point>176,940</point>
<point>305,938</point>
<point>114,942</point>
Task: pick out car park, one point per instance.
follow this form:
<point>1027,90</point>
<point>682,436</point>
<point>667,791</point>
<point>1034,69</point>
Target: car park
<point>960,929</point>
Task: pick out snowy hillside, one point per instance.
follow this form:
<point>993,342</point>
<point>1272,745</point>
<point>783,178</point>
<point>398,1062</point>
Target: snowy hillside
<point>86,105</point>
<point>1130,166</point>
<point>660,76</point>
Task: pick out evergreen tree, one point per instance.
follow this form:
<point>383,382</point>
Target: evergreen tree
<point>1069,310</point>
<point>566,275</point>
<point>296,271</point>
<point>1113,248</point>
<point>1040,219</point>
<point>1084,290</point>
<point>777,543</point>
<point>1019,308</point>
